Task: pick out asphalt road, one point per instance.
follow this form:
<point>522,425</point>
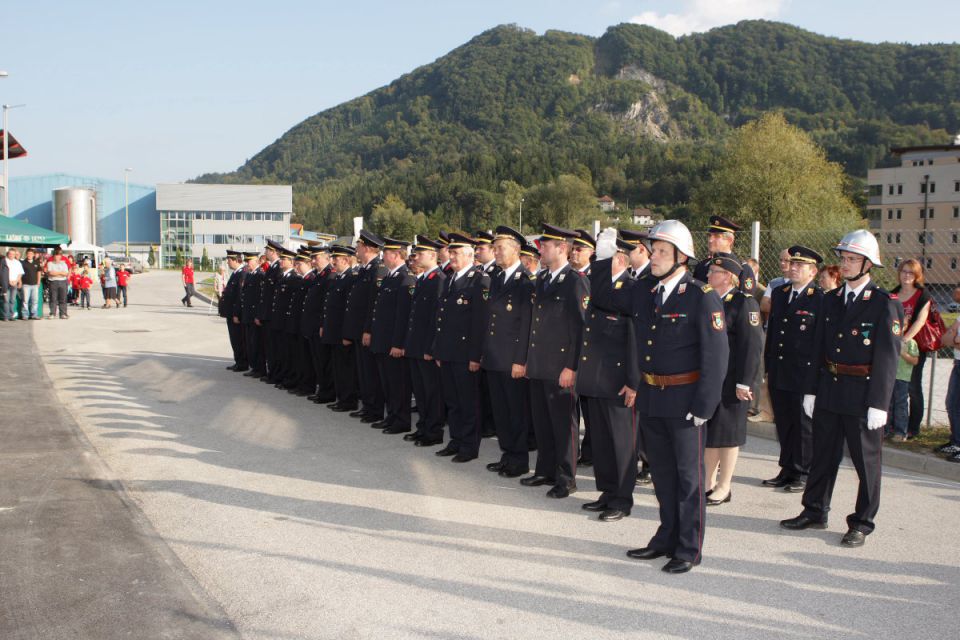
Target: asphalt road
<point>301,523</point>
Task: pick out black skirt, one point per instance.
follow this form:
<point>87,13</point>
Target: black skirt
<point>728,426</point>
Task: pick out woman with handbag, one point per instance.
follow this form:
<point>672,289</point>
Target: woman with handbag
<point>916,309</point>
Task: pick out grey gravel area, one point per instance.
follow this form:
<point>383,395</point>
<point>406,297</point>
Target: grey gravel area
<point>302,523</point>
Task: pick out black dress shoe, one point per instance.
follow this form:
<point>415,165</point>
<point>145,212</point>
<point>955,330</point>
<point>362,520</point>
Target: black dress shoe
<point>803,522</point>
<point>562,491</point>
<point>358,413</point>
<point>303,393</point>
<point>853,538</point>
<point>342,408</point>
<point>495,466</point>
<point>313,398</point>
<point>232,367</point>
<point>584,462</point>
<point>677,566</point>
<point>612,515</point>
<point>513,472</point>
<point>646,553</point>
<point>713,502</point>
<point>795,486</point>
<point>411,437</point>
<point>643,477</point>
<point>776,483</point>
<point>446,451</point>
<point>371,420</point>
<point>488,434</point>
<point>428,442</point>
<point>379,424</point>
<point>599,505</point>
<point>394,430</point>
<point>253,373</point>
<point>535,481</point>
<point>462,457</point>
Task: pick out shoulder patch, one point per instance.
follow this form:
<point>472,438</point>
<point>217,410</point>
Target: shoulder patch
<point>896,327</point>
<point>707,288</point>
<point>754,318</point>
<point>717,320</point>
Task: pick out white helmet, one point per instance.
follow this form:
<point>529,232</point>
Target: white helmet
<point>676,233</point>
<point>863,243</point>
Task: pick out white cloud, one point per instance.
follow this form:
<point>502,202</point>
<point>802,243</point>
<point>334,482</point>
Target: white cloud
<point>702,15</point>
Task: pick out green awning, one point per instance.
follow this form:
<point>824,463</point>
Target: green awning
<point>16,233</point>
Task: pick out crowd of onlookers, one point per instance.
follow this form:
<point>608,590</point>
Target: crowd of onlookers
<point>66,281</point>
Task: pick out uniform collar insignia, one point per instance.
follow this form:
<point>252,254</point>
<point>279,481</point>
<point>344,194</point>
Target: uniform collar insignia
<point>561,277</point>
<point>867,293</point>
<point>681,287</point>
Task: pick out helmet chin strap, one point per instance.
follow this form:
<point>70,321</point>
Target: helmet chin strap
<point>864,270</point>
<point>676,265</point>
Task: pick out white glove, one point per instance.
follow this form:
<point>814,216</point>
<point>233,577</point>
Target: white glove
<point>697,422</point>
<point>606,243</point>
<point>876,418</point>
<point>808,402</point>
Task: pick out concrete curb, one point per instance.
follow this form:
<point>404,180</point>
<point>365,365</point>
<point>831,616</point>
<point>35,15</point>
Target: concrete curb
<point>906,460</point>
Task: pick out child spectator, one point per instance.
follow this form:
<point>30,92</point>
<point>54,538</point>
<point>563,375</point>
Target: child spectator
<point>899,414</point>
<point>73,286</point>
<point>123,277</point>
<point>86,282</point>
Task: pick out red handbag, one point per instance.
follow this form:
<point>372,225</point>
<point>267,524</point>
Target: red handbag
<point>930,337</point>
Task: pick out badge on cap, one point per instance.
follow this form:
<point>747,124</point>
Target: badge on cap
<point>754,318</point>
<point>748,283</point>
<point>717,320</point>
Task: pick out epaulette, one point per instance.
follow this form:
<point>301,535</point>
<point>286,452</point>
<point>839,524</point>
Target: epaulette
<point>728,297</point>
<point>787,287</point>
<point>707,288</point>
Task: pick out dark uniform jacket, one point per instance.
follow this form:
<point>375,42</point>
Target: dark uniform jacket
<point>312,318</point>
<point>791,331</point>
<point>359,316</point>
<point>268,284</point>
<point>250,296</point>
<point>508,325</point>
<point>557,323</point>
<point>335,305</point>
<point>868,333</point>
<point>422,320</point>
<point>608,354</point>
<point>748,279</point>
<point>282,292</point>
<point>391,311</point>
<point>461,318</point>
<point>300,285</point>
<point>229,304</point>
<point>688,334</point>
<point>745,337</point>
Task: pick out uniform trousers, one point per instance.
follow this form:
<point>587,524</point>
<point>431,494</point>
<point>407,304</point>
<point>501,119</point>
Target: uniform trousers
<point>508,399</point>
<point>253,341</point>
<point>558,430</point>
<point>371,391</point>
<point>322,355</point>
<point>461,394</point>
<point>830,431</point>
<point>235,331</point>
<point>271,352</point>
<point>395,382</point>
<point>675,449</point>
<point>307,380</point>
<point>488,425</point>
<point>425,381</point>
<point>586,445</point>
<point>614,450</point>
<point>291,360</point>
<point>794,431</point>
<point>345,374</point>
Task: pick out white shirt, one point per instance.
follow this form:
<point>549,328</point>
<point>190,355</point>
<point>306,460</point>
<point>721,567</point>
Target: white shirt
<point>426,273</point>
<point>462,272</point>
<point>16,270</point>
<point>394,270</point>
<point>509,271</point>
<point>671,284</point>
<point>613,278</point>
<point>553,274</point>
<point>487,265</point>
<point>856,292</point>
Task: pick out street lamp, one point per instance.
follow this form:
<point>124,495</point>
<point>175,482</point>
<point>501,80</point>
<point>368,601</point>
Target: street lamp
<point>521,216</point>
<point>126,208</point>
<point>6,158</point>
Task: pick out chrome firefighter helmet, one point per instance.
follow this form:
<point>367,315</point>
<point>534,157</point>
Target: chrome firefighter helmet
<point>676,233</point>
<point>863,243</point>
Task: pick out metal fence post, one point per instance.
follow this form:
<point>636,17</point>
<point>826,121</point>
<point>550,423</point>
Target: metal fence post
<point>755,241</point>
<point>933,371</point>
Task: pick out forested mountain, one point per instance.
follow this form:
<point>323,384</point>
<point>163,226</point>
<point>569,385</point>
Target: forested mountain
<point>637,114</point>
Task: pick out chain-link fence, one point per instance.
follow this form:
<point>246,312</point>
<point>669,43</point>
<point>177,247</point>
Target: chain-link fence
<point>938,250</point>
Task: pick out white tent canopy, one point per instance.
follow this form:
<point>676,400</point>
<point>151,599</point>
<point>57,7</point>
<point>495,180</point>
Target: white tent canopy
<point>82,247</point>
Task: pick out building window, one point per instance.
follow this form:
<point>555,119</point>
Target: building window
<point>899,214</point>
<point>929,264</point>
<point>889,214</point>
<point>954,237</point>
<point>956,184</point>
<point>875,190</point>
<point>926,213</point>
<point>873,214</point>
<point>956,212</point>
<point>890,190</point>
<point>898,237</point>
<point>889,238</point>
<point>899,189</point>
<point>953,263</point>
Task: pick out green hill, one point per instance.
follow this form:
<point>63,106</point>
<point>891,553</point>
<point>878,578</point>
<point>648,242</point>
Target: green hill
<point>636,113</point>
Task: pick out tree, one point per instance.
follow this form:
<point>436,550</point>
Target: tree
<point>205,261</point>
<point>773,172</point>
<point>178,258</point>
<point>152,257</point>
<point>393,218</point>
<point>567,201</point>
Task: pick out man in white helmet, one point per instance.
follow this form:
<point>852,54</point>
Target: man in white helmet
<point>848,389</point>
<point>683,353</point>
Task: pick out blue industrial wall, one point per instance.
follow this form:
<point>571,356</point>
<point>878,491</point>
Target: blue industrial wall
<point>31,199</point>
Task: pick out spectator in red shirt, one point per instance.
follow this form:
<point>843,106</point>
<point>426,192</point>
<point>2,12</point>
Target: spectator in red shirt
<point>123,277</point>
<point>86,282</point>
<point>187,277</point>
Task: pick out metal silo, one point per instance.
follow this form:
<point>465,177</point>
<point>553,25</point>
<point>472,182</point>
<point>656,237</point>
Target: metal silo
<point>75,214</point>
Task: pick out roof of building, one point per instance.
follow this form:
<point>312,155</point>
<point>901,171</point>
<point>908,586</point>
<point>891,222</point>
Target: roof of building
<point>605,199</point>
<point>259,198</point>
<point>897,151</point>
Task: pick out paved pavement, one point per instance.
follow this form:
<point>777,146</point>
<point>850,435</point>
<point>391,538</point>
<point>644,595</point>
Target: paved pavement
<point>301,523</point>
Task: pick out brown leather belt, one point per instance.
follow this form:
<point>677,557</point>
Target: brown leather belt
<point>861,370</point>
<point>654,380</point>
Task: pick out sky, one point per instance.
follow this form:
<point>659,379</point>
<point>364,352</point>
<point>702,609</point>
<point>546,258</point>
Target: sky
<point>176,89</point>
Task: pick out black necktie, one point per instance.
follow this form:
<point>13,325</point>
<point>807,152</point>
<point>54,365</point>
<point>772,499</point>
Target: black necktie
<point>793,296</point>
<point>850,298</point>
<point>658,301</point>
